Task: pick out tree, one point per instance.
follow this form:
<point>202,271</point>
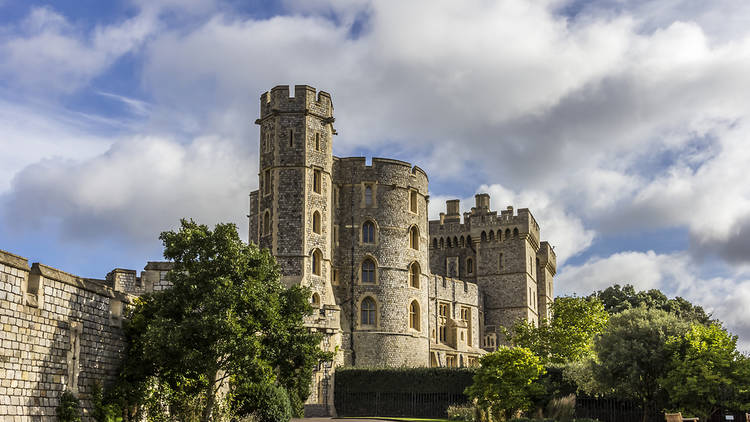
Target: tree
<point>226,323</point>
<point>632,353</point>
<point>617,299</point>
<point>569,335</point>
<point>504,382</point>
<point>706,372</point>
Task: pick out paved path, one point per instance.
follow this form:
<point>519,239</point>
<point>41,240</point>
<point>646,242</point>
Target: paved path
<point>334,420</point>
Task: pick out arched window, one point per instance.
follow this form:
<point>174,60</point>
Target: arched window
<point>413,201</point>
<point>267,223</point>
<point>499,235</point>
<point>469,266</point>
<point>500,260</point>
<point>463,242</point>
<point>492,235</point>
<point>434,243</point>
<point>450,245</point>
<point>368,271</point>
<point>414,238</point>
<point>317,261</point>
<point>468,240</point>
<point>484,236</point>
<point>368,232</point>
<point>455,242</point>
<point>368,311</point>
<point>316,300</point>
<point>507,233</point>
<point>414,273</point>
<point>317,182</point>
<point>316,222</point>
<point>515,232</point>
<point>414,315</point>
<point>442,243</point>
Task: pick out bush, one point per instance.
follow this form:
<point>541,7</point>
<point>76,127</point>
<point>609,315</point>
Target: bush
<point>265,402</point>
<point>562,408</point>
<point>462,413</point>
<point>103,411</point>
<point>69,409</point>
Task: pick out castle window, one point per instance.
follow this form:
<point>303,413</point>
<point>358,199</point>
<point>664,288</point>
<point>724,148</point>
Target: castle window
<point>484,236</point>
<point>444,311</point>
<point>317,261</point>
<point>414,238</point>
<point>291,138</point>
<point>368,311</point>
<point>455,242</point>
<point>530,300</point>
<point>500,261</point>
<point>368,271</point>
<point>414,274</point>
<point>413,201</point>
<point>442,243</point>
<point>434,243</point>
<point>499,235</point>
<point>450,361</point>
<point>335,276</point>
<point>468,240</point>
<point>414,315</point>
<point>316,300</point>
<point>317,142</point>
<point>32,289</point>
<point>368,232</point>
<point>469,266</point>
<point>316,222</point>
<point>463,242</point>
<point>368,195</point>
<point>267,223</point>
<point>267,182</point>
<point>317,181</point>
<point>336,235</point>
<point>515,232</point>
<point>466,317</point>
<point>492,235</point>
<point>450,245</point>
<point>507,233</point>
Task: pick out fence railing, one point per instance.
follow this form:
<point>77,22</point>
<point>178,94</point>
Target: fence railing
<point>414,404</point>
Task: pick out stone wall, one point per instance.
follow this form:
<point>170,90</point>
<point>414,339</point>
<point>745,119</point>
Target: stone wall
<point>59,332</point>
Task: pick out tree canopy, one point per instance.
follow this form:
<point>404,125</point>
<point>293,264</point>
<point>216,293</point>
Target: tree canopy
<point>225,324</point>
<point>617,299</point>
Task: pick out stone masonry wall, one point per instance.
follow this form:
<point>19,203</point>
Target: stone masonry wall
<point>59,332</point>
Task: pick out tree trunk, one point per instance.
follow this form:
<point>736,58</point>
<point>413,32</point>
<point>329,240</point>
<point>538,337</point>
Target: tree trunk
<point>210,398</point>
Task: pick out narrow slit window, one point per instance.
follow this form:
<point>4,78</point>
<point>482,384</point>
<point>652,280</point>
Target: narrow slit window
<point>316,181</point>
<point>291,138</point>
<point>413,202</point>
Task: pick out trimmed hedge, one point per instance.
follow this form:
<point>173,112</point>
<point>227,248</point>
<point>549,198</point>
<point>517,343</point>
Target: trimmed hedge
<point>403,380</point>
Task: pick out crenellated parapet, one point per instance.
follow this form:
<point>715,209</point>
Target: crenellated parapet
<point>383,171</point>
<point>305,99</point>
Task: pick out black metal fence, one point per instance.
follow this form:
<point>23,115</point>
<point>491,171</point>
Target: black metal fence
<point>415,404</point>
<point>612,410</point>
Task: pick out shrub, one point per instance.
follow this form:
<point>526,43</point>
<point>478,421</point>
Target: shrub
<point>462,413</point>
<point>104,412</point>
<point>69,409</point>
<point>266,403</point>
<point>562,408</point>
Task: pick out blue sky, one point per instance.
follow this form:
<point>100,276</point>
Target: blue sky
<point>623,126</point>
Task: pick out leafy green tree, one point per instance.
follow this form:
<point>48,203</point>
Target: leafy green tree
<point>504,382</point>
<point>569,335</point>
<point>226,322</point>
<point>632,353</point>
<point>617,299</point>
<point>706,372</point>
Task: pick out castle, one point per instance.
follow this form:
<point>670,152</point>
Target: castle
<point>389,287</point>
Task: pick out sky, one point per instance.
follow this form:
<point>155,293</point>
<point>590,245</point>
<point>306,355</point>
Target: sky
<point>622,125</point>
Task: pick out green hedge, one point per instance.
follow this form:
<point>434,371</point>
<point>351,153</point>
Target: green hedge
<point>403,380</point>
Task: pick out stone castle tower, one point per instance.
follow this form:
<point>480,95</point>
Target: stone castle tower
<point>390,288</point>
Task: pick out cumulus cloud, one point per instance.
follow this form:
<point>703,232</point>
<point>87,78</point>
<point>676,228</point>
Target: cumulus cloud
<point>674,274</point>
<point>135,190</point>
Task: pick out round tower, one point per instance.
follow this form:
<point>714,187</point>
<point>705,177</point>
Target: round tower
<point>382,262</point>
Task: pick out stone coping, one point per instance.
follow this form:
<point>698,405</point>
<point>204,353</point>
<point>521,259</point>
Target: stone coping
<point>91,285</point>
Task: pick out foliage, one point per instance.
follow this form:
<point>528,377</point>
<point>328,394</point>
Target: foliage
<point>617,299</point>
<point>706,372</point>
<point>569,335</point>
<point>562,408</point>
<point>226,321</point>
<point>403,380</point>
<point>104,410</point>
<point>632,353</point>
<point>265,402</point>
<point>467,413</point>
<point>69,409</point>
<point>504,383</point>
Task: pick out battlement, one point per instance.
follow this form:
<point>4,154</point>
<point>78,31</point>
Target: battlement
<point>547,256</point>
<point>383,170</point>
<point>306,99</point>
